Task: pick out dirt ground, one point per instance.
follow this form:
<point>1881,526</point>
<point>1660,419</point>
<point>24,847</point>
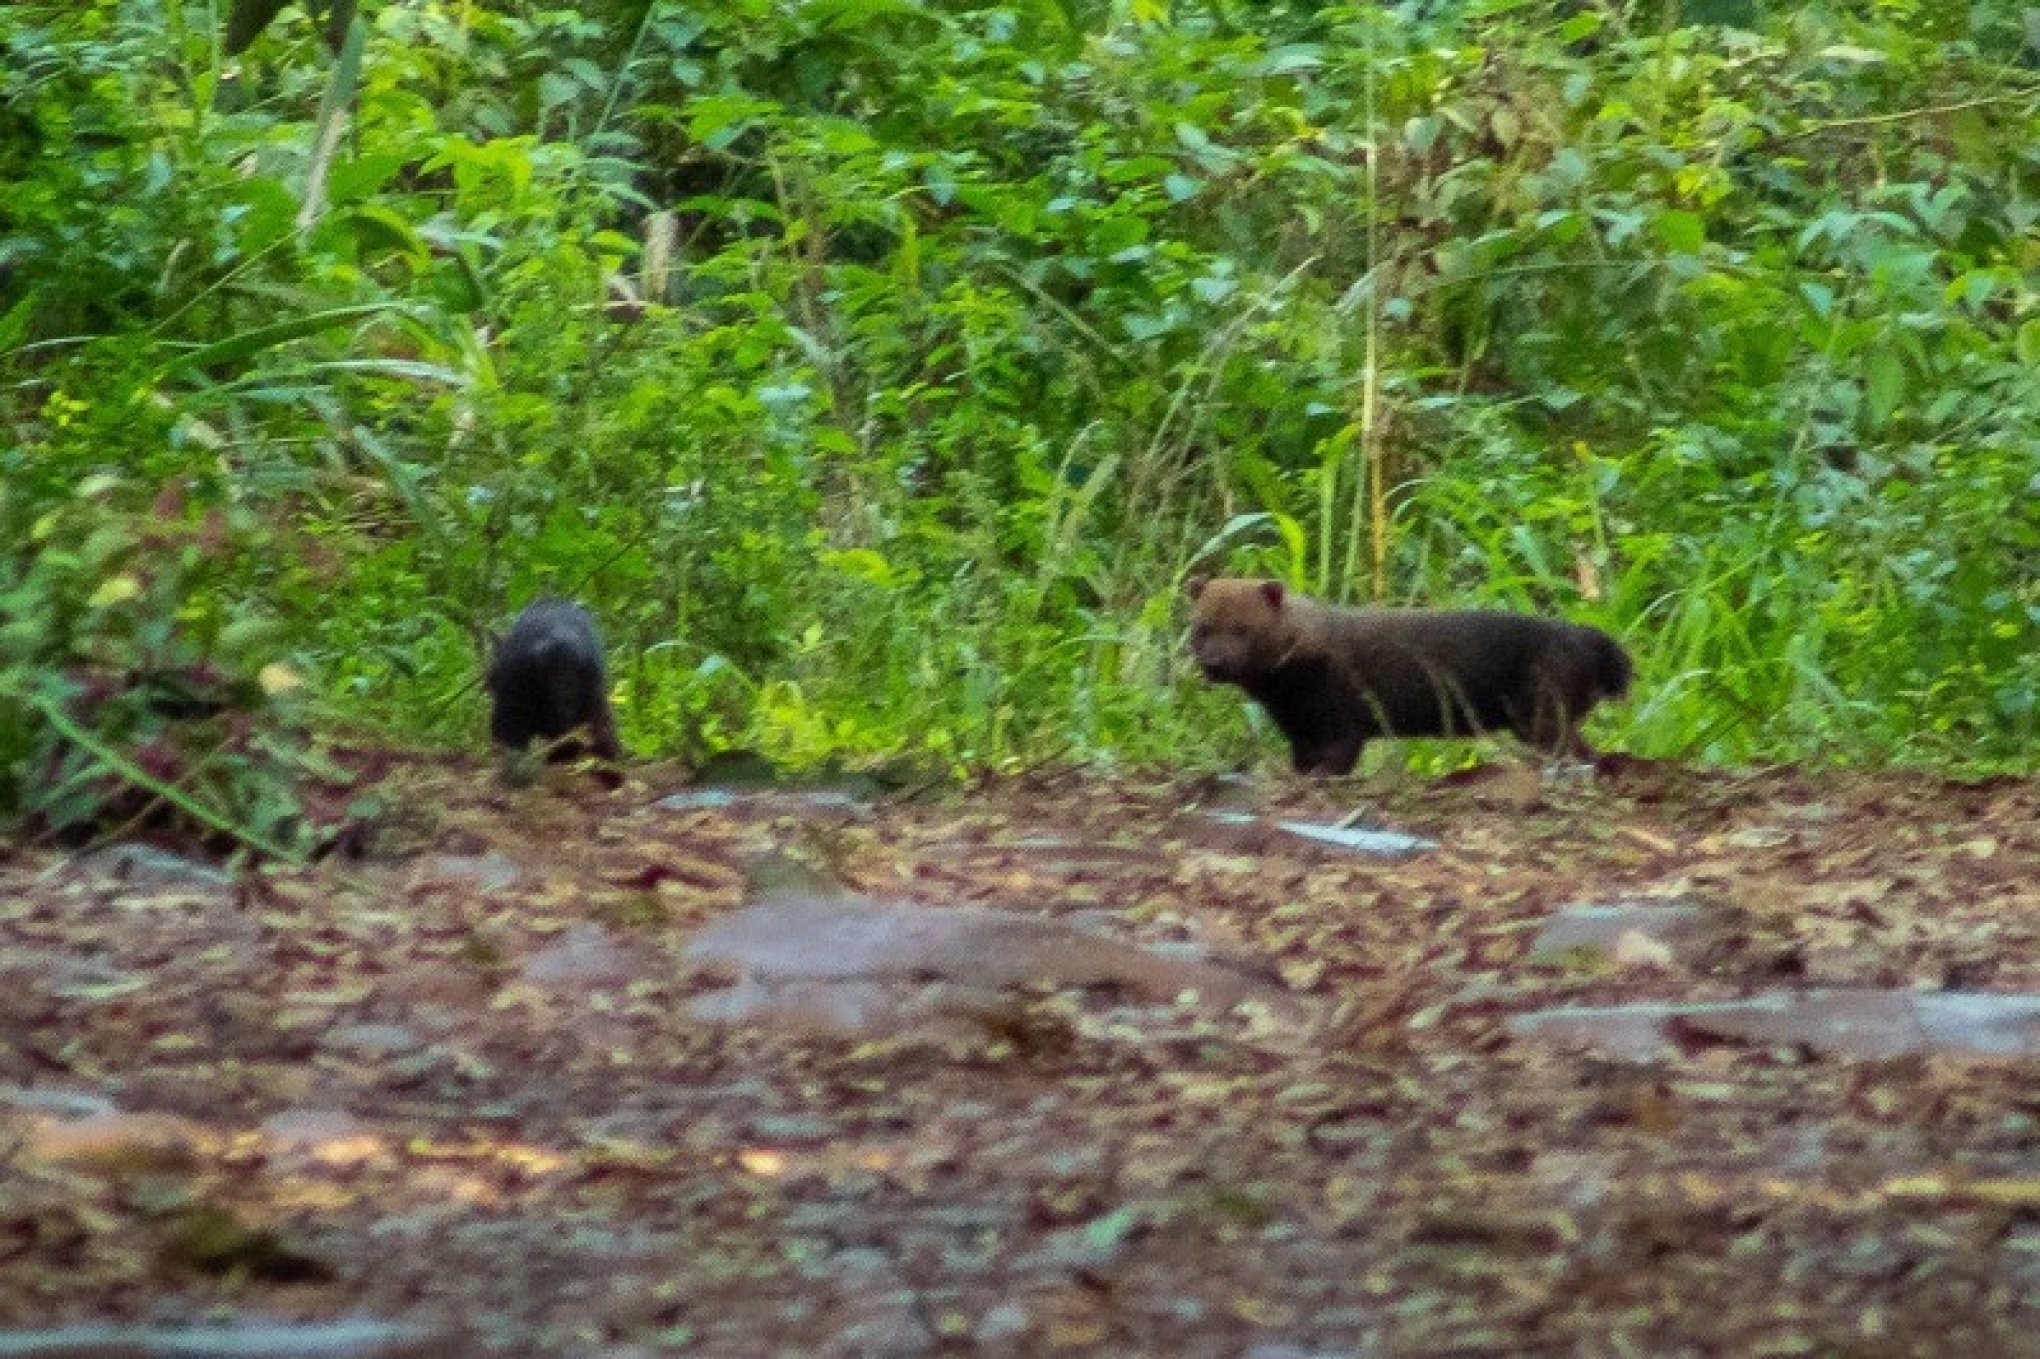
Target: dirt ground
<point>478,1077</point>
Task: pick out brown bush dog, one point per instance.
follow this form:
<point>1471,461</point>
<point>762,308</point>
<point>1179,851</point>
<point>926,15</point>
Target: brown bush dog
<point>547,680</point>
<point>1334,679</point>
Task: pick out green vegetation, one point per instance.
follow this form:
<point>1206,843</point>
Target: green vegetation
<point>877,369</point>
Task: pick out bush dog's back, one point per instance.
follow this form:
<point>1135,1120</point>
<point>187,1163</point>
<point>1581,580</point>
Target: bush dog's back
<point>547,678</point>
<point>1334,678</point>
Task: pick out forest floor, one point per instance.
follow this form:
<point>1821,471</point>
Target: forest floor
<point>1062,1064</point>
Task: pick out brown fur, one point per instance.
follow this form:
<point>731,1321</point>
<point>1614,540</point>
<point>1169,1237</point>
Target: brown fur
<point>1334,679</point>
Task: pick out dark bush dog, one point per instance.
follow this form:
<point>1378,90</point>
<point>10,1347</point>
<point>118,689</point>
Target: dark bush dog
<point>1333,679</point>
<point>546,680</point>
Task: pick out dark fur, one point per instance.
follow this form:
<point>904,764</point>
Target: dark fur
<point>546,680</point>
<point>1334,679</point>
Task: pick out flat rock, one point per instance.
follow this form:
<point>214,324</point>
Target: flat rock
<point>1382,844</point>
<point>863,1008</point>
<point>1375,843</point>
<point>1003,1327</point>
<point>583,955</point>
<point>91,979</point>
<point>844,939</point>
<point>61,1105</point>
<point>886,1324</point>
<point>116,1140</point>
<point>323,1136</point>
<point>350,1339</point>
<point>373,1040</point>
<point>767,803</point>
<point>492,872</point>
<point>1057,855</point>
<point>304,1127</point>
<point>1610,930</point>
<point>1864,1024</point>
<point>147,865</point>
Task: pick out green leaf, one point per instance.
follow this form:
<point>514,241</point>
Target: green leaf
<point>1883,385</point>
<point>2027,344</point>
<point>14,324</point>
<point>247,344</point>
<point>1581,25</point>
<point>359,176</point>
<point>377,230</point>
<point>1103,1233</point>
<point>246,20</point>
<point>1681,231</point>
<point>554,90</point>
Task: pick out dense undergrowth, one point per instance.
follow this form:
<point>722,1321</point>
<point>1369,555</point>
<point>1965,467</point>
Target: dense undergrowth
<point>878,369</point>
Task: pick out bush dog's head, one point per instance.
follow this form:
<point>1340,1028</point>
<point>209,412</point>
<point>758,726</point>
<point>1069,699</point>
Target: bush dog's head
<point>1239,628</point>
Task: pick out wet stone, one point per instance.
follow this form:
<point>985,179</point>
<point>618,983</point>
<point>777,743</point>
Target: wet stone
<point>585,955</point>
<point>1379,844</point>
<point>374,1040</point>
<point>853,939</point>
<point>62,1105</point>
<point>1382,844</point>
<point>973,1218</point>
<point>1056,855</point>
<point>863,1008</point>
<point>1345,1133</point>
<point>698,800</point>
<point>767,803</point>
<point>92,980</point>
<point>348,1339</point>
<point>858,1263</point>
<point>329,1136</point>
<point>302,1127</point>
<point>793,1129</point>
<point>115,1140</point>
<point>888,1325</point>
<point>1577,1179</point>
<point>1612,930</point>
<point>146,865</point>
<point>492,872</point>
<point>1005,1324</point>
<point>1861,1024</point>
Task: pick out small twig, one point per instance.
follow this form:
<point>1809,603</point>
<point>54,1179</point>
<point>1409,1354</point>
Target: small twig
<point>1104,347</point>
<point>1931,110</point>
<point>1358,816</point>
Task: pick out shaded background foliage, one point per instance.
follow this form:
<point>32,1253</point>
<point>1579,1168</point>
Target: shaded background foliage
<point>879,368</point>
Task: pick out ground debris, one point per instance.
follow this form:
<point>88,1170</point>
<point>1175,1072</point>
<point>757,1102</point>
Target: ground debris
<point>1051,1065</point>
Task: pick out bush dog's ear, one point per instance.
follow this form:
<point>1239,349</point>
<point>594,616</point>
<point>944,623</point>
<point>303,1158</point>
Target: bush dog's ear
<point>1195,585</point>
<point>1271,590</point>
